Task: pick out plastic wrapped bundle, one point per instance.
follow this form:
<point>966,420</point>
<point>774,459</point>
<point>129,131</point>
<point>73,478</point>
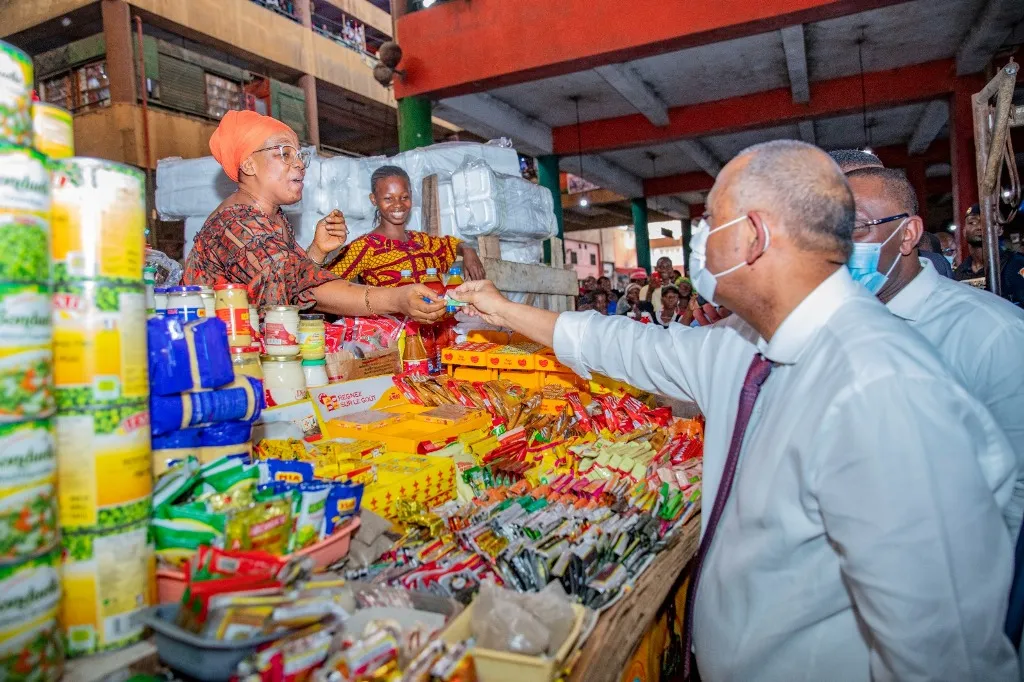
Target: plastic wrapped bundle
<point>491,204</point>
<point>187,357</point>
<point>242,400</point>
<point>190,187</point>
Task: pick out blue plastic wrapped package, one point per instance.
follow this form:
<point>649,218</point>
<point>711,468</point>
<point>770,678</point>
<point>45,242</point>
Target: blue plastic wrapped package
<point>343,501</point>
<point>242,400</point>
<point>188,357</point>
<point>174,447</point>
<point>288,471</point>
<point>230,439</point>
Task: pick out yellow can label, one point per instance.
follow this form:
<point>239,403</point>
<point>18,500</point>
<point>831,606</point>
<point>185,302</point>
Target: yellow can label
<point>106,584</point>
<point>104,467</point>
<point>53,131</point>
<point>98,221</point>
<point>99,344</point>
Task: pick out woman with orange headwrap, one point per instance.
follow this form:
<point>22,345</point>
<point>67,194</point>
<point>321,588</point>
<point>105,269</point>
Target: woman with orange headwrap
<point>248,240</point>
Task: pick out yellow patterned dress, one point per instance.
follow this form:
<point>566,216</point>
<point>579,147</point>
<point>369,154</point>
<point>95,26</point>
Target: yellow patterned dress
<point>378,261</point>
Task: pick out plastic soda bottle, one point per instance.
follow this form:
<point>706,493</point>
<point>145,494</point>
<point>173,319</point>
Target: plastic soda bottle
<point>454,282</point>
<point>415,358</point>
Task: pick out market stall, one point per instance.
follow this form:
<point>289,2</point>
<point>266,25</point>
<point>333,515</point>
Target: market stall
<point>197,487</point>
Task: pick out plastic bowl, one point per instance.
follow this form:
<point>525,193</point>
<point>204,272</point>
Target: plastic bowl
<point>170,584</point>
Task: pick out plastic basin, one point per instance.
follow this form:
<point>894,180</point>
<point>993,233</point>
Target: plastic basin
<point>170,583</point>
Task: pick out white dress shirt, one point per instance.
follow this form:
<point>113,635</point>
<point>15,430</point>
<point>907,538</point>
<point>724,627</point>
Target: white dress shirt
<point>980,338</point>
<point>861,539</point>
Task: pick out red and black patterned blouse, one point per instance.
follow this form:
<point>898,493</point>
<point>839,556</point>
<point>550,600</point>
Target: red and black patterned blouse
<point>239,244</point>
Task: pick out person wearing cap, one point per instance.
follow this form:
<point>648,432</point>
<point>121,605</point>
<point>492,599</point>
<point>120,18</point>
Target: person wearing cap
<point>248,240</point>
<point>978,336</point>
<point>973,265</point>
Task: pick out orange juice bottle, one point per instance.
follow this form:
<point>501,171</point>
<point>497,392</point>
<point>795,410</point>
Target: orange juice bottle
<point>406,278</point>
<point>415,359</point>
<point>431,333</point>
<point>454,281</point>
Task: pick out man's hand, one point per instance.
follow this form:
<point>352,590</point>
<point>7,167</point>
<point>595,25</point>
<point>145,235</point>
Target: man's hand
<point>418,302</point>
<point>331,233</point>
<point>471,263</point>
<point>484,300</point>
<point>707,314</point>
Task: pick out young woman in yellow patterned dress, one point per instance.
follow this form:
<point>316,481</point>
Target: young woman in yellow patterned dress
<point>378,258</point>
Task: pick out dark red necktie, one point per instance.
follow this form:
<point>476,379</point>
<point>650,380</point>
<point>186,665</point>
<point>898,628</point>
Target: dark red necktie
<point>756,375</point>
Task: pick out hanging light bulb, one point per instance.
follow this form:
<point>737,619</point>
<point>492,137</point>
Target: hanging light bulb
<point>867,150</point>
<point>428,3</point>
<point>584,202</point>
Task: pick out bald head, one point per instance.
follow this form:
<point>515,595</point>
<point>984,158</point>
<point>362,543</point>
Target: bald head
<point>851,159</point>
<point>800,185</point>
<point>892,184</point>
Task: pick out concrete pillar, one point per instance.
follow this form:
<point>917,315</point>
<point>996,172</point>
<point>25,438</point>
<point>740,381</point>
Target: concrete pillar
<point>696,211</point>
<point>643,239</point>
<point>918,179</point>
<point>117,32</point>
<point>307,81</point>
<point>549,177</point>
<point>414,126</point>
<point>961,146</point>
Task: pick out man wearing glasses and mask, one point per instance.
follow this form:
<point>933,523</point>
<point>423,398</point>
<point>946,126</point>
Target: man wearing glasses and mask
<point>978,335</point>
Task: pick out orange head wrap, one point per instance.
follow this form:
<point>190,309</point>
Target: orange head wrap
<point>239,134</point>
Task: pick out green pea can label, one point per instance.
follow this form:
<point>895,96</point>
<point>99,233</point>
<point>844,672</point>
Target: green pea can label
<point>24,315</point>
<point>26,383</point>
<point>30,642</point>
<point>28,489</point>
<point>104,471</point>
<point>99,344</point>
<point>24,247</point>
<point>24,181</point>
<point>16,78</point>
<point>107,579</point>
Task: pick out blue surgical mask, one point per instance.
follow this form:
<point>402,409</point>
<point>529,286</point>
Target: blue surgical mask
<point>704,281</point>
<point>863,262</point>
<point>949,258</point>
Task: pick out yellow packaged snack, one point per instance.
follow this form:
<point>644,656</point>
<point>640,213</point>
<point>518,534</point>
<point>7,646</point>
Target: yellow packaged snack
<point>263,526</point>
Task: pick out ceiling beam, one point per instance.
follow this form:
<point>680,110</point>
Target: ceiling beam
<point>796,62</point>
<point>987,33</point>
<point>529,135</point>
<point>603,172</point>
<point>462,47</point>
<point>807,132</point>
<point>595,197</point>
<point>673,206</point>
<point>935,115</point>
<point>832,97</point>
<point>627,82</point>
<point>697,181</point>
<point>897,156</point>
<point>701,155</point>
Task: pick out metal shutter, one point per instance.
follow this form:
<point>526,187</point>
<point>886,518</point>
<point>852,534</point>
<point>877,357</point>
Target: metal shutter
<point>182,85</point>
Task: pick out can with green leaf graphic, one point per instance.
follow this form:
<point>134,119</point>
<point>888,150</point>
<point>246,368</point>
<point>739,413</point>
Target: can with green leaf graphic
<point>16,78</point>
<point>31,649</point>
<point>28,489</point>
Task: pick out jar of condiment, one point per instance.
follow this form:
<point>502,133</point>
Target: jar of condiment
<point>247,361</point>
<point>281,330</point>
<point>283,380</point>
<point>185,303</point>
<point>206,293</point>
<point>311,336</point>
<point>316,372</point>
<point>254,324</point>
<point>231,305</point>
<point>160,301</point>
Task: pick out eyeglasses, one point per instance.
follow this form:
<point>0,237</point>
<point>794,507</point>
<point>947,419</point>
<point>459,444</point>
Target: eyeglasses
<point>289,154</point>
<point>862,226</point>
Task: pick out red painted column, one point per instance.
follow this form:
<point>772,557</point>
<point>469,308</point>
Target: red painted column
<point>965,173</point>
<point>916,175</point>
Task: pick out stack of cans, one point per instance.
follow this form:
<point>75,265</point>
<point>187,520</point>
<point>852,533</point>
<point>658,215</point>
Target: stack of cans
<point>101,388</point>
<point>30,553</point>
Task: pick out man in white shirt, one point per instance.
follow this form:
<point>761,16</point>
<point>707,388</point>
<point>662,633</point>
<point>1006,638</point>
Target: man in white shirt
<point>978,335</point>
<point>858,539</point>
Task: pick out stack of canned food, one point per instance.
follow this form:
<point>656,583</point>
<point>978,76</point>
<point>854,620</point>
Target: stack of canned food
<point>101,387</point>
<point>30,553</point>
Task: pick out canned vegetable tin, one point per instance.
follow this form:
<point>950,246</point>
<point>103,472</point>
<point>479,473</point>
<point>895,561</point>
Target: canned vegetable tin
<point>16,78</point>
<point>104,468</point>
<point>24,181</point>
<point>52,131</point>
<point>30,642</point>
<point>106,580</point>
<point>24,247</point>
<point>98,227</point>
<point>26,383</point>
<point>28,489</point>
<point>99,344</point>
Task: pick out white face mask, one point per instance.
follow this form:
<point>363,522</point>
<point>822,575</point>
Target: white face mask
<point>703,280</point>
